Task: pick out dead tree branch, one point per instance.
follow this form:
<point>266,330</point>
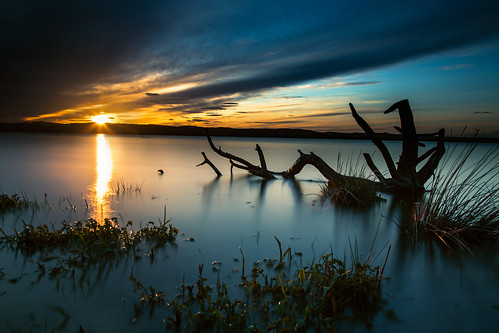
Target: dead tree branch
<point>207,161</point>
<point>405,176</point>
<point>378,143</point>
<point>243,164</point>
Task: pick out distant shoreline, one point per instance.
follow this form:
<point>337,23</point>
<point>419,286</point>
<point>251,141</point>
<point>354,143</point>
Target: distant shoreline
<point>130,129</point>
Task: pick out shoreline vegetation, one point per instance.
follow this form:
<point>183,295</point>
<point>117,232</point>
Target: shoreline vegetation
<point>132,129</point>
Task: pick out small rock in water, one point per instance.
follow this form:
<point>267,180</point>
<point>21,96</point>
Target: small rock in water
<point>160,171</point>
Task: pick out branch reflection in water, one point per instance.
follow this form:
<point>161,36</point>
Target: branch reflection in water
<point>104,171</point>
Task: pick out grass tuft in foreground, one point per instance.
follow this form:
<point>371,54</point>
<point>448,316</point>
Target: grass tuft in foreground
<point>461,208</point>
<point>315,297</point>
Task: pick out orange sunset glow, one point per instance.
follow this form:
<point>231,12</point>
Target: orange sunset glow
<point>251,72</point>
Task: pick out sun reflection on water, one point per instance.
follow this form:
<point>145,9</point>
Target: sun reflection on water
<point>104,171</point>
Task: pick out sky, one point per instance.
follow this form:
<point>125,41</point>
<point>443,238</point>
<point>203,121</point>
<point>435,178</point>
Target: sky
<point>252,64</point>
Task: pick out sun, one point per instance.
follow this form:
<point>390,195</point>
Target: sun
<point>101,119</point>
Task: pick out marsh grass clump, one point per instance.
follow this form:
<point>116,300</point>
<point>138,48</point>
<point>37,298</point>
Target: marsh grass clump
<point>461,208</point>
<point>121,186</point>
<point>88,236</point>
<point>352,190</point>
<point>16,201</point>
<point>276,298</point>
<point>84,243</point>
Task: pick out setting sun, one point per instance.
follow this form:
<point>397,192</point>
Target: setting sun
<point>101,119</point>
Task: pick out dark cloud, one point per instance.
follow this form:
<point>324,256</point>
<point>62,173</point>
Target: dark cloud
<point>362,83</point>
<point>325,114</point>
<point>276,122</point>
<point>193,106</point>
<point>52,53</point>
<point>197,120</point>
<point>379,36</point>
<point>290,97</point>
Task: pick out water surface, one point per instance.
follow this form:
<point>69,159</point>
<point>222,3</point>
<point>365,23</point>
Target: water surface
<point>76,177</point>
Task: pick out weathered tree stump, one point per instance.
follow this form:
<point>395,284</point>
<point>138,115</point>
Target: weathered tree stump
<point>405,177</point>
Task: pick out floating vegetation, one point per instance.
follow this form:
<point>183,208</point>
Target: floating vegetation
<point>352,190</point>
<point>16,201</point>
<point>315,297</point>
<point>461,208</point>
<point>83,243</point>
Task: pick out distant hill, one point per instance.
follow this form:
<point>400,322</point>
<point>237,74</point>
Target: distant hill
<point>130,129</point>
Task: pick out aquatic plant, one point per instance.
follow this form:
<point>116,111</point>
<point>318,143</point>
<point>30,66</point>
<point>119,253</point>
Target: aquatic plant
<point>122,186</point>
<point>16,201</point>
<point>83,243</point>
<point>88,235</point>
<point>461,208</point>
<point>353,190</point>
<point>314,297</point>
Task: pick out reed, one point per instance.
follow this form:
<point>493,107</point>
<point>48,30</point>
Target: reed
<point>461,207</point>
<point>121,186</point>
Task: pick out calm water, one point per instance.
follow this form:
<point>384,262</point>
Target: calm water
<point>429,289</point>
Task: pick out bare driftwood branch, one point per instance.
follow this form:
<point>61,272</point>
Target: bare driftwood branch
<point>207,161</point>
<point>377,141</point>
<point>408,158</point>
<point>429,168</point>
<point>263,164</point>
<point>375,170</point>
<point>242,163</point>
<point>314,160</point>
<point>405,176</point>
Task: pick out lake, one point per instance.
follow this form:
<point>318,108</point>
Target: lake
<point>76,177</point>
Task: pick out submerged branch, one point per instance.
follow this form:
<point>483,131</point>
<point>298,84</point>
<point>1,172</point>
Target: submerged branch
<point>243,164</point>
<point>210,163</point>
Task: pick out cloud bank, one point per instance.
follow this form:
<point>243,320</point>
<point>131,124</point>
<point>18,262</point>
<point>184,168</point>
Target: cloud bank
<point>54,55</point>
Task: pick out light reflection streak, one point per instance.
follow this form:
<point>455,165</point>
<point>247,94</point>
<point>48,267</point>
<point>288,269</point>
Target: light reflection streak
<point>104,171</point>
